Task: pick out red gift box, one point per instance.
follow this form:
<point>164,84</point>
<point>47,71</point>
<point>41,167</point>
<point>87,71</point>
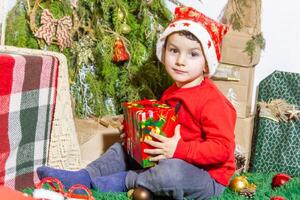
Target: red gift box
<point>142,117</point>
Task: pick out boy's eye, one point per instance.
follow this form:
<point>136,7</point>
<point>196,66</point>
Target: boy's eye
<point>173,50</point>
<point>194,54</point>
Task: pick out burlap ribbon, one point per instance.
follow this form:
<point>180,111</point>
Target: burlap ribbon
<point>278,110</point>
<point>52,28</point>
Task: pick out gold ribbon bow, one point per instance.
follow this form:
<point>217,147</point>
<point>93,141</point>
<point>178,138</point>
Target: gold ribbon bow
<point>52,28</point>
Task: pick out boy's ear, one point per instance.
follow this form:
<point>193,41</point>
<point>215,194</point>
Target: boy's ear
<point>205,70</point>
<point>163,56</point>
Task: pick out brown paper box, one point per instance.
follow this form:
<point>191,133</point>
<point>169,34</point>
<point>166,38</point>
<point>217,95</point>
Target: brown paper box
<point>251,17</point>
<point>240,75</point>
<point>241,87</point>
<point>243,135</point>
<point>244,132</point>
<point>233,49</point>
<point>244,96</point>
<point>94,138</point>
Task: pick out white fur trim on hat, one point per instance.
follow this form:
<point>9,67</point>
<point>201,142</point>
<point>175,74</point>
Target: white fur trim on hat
<point>200,32</point>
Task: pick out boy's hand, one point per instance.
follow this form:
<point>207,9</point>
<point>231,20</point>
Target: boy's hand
<point>122,134</point>
<point>165,148</point>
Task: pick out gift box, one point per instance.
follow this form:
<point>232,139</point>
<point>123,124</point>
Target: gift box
<point>142,117</point>
<point>236,83</point>
<point>233,49</point>
<point>276,145</point>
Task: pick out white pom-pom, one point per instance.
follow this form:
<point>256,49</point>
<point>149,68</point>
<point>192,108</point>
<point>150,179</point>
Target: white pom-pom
<point>47,194</point>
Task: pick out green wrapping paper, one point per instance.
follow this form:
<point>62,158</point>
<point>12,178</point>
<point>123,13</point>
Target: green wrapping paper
<point>276,146</point>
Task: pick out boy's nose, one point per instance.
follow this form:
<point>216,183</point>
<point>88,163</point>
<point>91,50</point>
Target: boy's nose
<point>180,60</point>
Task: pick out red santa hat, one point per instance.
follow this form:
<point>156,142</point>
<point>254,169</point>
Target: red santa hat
<point>208,31</point>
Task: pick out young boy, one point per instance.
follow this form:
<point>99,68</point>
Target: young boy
<point>198,161</point>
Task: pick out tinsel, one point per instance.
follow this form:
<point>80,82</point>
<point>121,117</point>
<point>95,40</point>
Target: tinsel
<point>82,92</point>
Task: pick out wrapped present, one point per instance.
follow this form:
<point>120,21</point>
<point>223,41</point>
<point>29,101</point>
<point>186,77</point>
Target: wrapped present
<point>276,146</point>
<point>142,117</point>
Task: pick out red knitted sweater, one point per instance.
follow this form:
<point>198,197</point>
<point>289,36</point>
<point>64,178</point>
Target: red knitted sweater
<point>207,121</point>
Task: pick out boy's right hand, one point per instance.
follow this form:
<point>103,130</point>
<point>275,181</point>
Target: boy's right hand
<point>122,134</point>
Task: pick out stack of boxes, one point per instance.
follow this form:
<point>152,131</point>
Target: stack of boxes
<point>235,74</point>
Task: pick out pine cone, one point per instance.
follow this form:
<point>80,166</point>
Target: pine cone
<point>240,161</point>
<point>248,192</point>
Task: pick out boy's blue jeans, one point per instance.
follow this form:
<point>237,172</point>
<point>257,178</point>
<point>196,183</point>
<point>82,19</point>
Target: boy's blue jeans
<point>174,178</point>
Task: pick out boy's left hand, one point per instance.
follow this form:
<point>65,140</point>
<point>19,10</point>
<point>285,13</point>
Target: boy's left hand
<point>165,148</point>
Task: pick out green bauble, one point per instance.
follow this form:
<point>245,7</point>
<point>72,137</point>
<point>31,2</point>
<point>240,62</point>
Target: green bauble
<point>125,28</point>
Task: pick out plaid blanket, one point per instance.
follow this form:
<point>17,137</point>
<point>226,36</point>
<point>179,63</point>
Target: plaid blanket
<point>27,100</point>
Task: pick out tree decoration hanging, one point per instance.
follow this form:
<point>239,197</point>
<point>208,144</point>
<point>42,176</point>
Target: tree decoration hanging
<point>125,29</point>
<point>120,53</point>
<point>84,50</point>
<point>120,14</point>
<point>55,29</point>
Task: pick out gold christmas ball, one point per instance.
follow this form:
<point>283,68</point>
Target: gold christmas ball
<point>125,28</point>
<point>129,193</point>
<point>238,183</point>
<point>141,194</point>
<point>120,14</point>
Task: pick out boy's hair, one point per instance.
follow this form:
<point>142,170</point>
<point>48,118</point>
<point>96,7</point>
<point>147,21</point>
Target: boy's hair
<point>185,33</point>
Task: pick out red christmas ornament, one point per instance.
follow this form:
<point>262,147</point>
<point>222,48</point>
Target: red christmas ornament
<point>120,54</point>
<point>277,198</point>
<point>280,179</point>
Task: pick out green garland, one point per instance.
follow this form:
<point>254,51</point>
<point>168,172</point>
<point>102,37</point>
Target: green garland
<point>102,91</point>
<point>257,41</point>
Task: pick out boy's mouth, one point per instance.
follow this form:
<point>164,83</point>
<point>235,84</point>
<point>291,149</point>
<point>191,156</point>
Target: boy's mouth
<point>179,71</point>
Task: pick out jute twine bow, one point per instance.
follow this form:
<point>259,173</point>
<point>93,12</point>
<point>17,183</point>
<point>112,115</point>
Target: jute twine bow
<point>55,28</point>
<point>278,110</point>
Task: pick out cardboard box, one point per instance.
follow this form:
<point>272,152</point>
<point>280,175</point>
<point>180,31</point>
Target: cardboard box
<point>238,88</point>
<point>243,136</point>
<point>233,49</point>
<point>251,17</point>
<point>244,132</point>
<point>94,139</point>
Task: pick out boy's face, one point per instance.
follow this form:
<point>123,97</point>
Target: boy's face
<point>184,60</point>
